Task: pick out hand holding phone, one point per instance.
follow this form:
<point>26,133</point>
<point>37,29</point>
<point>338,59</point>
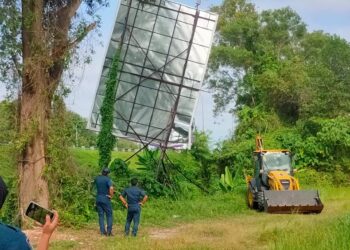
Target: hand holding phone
<point>50,224</point>
<point>38,213</point>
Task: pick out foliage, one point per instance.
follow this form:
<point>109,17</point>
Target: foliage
<point>286,83</point>
<point>235,155</point>
<point>324,143</point>
<point>8,213</point>
<point>8,122</point>
<point>120,173</point>
<point>149,160</point>
<point>10,44</point>
<point>77,134</point>
<point>8,161</point>
<point>277,65</point>
<point>106,140</point>
<point>70,186</point>
<point>320,144</point>
<point>202,154</point>
<point>13,14</point>
<point>253,121</point>
<point>157,178</point>
<point>126,144</point>
<point>226,181</point>
<point>119,168</point>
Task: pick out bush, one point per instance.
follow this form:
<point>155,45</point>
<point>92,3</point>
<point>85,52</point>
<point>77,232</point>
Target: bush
<point>8,213</point>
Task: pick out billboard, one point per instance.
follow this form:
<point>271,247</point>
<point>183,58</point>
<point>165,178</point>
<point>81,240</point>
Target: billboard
<point>164,50</point>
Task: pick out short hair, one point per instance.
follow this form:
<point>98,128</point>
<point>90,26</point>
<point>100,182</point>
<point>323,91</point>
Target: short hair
<point>134,181</point>
<point>105,171</point>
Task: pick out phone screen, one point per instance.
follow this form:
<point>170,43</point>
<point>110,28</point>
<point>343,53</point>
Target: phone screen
<point>38,213</point>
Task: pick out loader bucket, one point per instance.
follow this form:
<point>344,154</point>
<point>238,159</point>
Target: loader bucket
<point>292,201</point>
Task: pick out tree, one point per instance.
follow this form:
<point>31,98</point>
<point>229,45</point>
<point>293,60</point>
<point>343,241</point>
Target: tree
<point>260,49</point>
<point>290,85</point>
<point>327,60</point>
<point>38,38</point>
<point>201,152</point>
<point>269,60</point>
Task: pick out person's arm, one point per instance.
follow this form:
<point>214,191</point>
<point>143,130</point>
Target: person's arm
<point>122,198</point>
<point>111,192</point>
<point>48,228</point>
<point>110,189</point>
<point>145,198</point>
<point>123,201</point>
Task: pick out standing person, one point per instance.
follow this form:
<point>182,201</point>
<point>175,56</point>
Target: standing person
<point>135,198</point>
<point>14,239</point>
<point>105,191</point>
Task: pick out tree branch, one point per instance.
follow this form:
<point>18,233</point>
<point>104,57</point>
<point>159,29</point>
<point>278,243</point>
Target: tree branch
<point>69,10</point>
<point>83,34</point>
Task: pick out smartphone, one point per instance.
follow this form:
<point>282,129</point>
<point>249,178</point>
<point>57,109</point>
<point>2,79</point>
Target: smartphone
<point>38,213</point>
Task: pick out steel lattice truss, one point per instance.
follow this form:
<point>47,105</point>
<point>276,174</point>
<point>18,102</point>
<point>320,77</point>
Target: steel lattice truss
<point>164,53</point>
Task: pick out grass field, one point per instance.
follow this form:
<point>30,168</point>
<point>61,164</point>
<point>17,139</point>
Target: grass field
<point>89,158</point>
<point>224,224</point>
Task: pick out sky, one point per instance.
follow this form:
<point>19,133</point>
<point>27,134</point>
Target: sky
<point>332,16</point>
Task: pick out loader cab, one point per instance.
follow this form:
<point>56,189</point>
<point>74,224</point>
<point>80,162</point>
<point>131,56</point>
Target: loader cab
<point>276,161</point>
<point>266,161</point>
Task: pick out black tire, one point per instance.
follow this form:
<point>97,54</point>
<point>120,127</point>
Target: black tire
<point>260,198</point>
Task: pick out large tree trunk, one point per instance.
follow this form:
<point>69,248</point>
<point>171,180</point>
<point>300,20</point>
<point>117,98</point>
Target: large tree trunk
<point>46,44</point>
<point>38,86</point>
<point>34,118</point>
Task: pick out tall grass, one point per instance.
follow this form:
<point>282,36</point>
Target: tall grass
<point>328,230</point>
<point>165,212</point>
<point>327,235</point>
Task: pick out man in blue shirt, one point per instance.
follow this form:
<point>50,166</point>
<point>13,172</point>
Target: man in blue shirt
<point>135,198</point>
<point>12,238</point>
<point>104,195</point>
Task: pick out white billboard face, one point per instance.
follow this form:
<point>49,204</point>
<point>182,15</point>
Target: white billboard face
<point>165,48</point>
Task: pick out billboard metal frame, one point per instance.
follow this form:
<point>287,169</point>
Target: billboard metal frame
<point>158,73</point>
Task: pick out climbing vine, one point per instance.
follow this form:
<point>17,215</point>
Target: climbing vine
<point>106,140</point>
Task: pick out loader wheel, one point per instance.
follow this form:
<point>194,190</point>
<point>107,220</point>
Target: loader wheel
<point>261,201</point>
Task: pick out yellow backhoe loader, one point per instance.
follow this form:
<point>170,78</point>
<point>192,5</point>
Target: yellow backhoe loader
<point>273,188</point>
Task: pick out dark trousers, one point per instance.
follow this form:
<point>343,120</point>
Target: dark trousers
<point>104,206</point>
<point>134,213</point>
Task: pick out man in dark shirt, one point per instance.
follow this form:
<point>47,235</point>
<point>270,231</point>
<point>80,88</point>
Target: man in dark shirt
<point>12,238</point>
<point>104,195</point>
<point>135,198</point>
